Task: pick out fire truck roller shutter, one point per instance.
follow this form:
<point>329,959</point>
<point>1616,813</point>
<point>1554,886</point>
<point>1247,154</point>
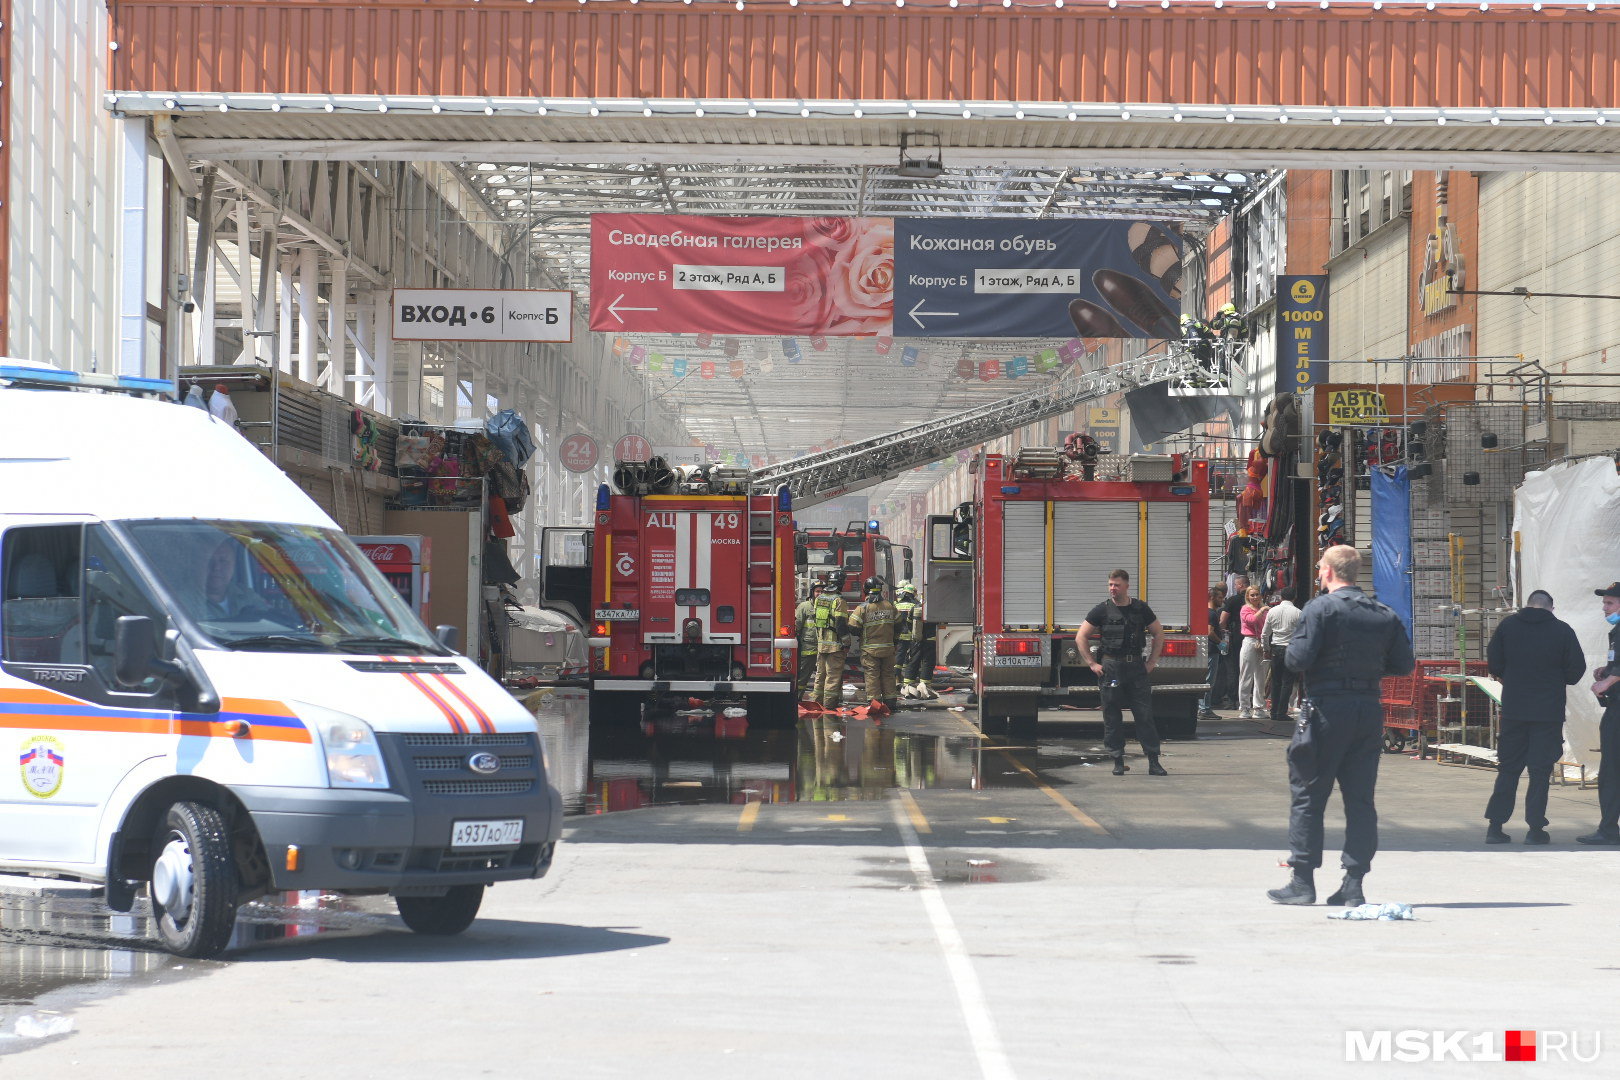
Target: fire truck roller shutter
<point>1166,583</point>
<point>1023,564</point>
<point>1092,539</point>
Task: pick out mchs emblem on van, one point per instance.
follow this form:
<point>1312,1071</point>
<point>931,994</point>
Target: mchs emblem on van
<point>42,762</point>
<point>485,763</point>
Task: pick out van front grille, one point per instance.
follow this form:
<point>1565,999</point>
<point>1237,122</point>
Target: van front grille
<point>477,787</point>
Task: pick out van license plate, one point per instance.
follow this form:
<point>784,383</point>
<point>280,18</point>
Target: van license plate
<point>465,834</point>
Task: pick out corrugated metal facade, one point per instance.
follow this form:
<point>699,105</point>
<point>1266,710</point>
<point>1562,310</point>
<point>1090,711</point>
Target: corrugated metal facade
<point>1452,57</point>
<point>64,159</point>
<point>1551,232</point>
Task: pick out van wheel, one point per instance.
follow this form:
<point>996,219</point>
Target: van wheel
<point>193,885</point>
<point>441,916</point>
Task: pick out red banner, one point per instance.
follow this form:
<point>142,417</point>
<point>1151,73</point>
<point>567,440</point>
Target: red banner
<point>682,274</point>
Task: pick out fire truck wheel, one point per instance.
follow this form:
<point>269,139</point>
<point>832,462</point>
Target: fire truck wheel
<point>441,916</point>
<point>193,884</point>
<point>990,723</point>
<point>605,707</point>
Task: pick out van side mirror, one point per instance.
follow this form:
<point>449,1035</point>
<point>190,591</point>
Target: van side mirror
<point>447,635</point>
<point>135,652</point>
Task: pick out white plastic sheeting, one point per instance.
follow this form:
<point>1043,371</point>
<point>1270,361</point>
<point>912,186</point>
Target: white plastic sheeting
<point>1567,520</point>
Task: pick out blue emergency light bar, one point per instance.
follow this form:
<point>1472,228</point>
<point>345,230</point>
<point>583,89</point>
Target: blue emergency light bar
<point>25,375</point>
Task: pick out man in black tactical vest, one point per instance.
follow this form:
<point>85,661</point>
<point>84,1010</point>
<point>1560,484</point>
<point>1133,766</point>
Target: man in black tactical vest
<point>1124,626</point>
<point>1344,645</point>
<point>1607,676</point>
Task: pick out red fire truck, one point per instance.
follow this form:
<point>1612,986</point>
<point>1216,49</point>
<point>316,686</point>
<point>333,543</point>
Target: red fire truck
<point>691,596</point>
<point>1016,571</point>
<point>859,552</point>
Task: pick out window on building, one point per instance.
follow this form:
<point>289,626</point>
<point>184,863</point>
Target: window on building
<point>1365,201</point>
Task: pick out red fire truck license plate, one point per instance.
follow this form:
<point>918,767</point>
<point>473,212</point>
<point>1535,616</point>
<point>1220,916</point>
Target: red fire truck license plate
<point>465,834</point>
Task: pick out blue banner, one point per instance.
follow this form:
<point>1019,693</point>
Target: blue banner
<point>977,277</point>
<point>1392,541</point>
<point>1302,331</point>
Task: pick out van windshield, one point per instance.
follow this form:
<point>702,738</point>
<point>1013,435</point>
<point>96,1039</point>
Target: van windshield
<point>268,586</point>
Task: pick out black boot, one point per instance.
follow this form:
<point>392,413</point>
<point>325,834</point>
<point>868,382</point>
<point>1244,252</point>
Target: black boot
<point>1349,893</point>
<point>1495,835</point>
<point>1120,768</point>
<point>1301,889</point>
<point>1154,768</point>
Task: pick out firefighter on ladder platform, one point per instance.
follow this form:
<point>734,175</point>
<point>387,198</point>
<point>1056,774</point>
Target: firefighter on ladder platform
<point>875,621</point>
<point>832,624</point>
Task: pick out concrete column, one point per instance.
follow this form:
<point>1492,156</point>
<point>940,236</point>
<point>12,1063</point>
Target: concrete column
<point>132,252</point>
<point>284,327</point>
<point>337,334</point>
<point>382,352</point>
<point>309,269</point>
<point>244,280</point>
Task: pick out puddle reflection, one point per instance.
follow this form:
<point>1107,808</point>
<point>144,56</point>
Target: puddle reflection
<point>628,764</point>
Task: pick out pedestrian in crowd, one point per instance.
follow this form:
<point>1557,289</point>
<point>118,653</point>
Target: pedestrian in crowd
<point>1251,687</point>
<point>804,619</point>
<point>1608,830</point>
<point>1213,643</point>
<point>1231,633</point>
<point>832,626</point>
<point>1536,655</point>
<point>1281,620</point>
<point>874,623</point>
<point>908,641</point>
<point>1124,627</point>
<point>1344,645</point>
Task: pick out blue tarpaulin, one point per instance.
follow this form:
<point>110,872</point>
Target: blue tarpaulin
<point>1392,541</point>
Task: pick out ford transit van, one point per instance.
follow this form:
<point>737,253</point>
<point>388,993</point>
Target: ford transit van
<point>213,695</point>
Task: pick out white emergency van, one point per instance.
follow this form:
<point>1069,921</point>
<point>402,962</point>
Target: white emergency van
<point>213,694</point>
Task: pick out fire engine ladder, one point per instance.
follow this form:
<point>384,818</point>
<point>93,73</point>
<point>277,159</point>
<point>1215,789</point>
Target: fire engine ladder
<point>761,581</point>
<point>815,478</point>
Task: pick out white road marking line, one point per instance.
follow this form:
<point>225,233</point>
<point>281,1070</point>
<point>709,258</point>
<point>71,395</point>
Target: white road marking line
<point>993,1063</point>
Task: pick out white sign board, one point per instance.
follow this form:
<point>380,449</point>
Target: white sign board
<point>483,315</point>
<point>682,455</point>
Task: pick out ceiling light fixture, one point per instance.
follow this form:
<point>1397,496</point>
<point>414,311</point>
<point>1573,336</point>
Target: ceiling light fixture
<point>920,157</point>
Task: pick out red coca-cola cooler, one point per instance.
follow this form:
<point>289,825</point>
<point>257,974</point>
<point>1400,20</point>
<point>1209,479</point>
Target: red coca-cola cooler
<point>405,561</point>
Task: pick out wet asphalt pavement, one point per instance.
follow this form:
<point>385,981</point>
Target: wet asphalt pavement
<point>734,900</point>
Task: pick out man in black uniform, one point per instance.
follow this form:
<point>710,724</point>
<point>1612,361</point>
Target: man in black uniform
<point>1344,645</point>
<point>1535,654</point>
<point>1608,830</point>
<point>1124,626</point>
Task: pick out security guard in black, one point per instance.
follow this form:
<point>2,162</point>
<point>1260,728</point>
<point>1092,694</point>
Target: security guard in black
<point>1124,627</point>
<point>1345,644</point>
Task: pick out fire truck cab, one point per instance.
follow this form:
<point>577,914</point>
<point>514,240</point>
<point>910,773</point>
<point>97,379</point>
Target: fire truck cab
<point>859,551</point>
<point>1017,570</point>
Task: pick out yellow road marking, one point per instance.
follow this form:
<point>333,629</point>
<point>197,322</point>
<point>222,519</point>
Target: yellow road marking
<point>836,817</point>
<point>914,812</point>
<point>749,815</point>
<point>1068,807</point>
<point>999,820</point>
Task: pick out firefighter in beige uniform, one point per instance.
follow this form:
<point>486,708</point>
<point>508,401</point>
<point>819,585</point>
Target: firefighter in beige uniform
<point>831,618</point>
<point>804,618</point>
<point>875,622</point>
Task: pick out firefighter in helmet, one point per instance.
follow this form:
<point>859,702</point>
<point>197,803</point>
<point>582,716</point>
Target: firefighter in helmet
<point>804,618</point>
<point>831,617</point>
<point>875,623</point>
<point>907,639</point>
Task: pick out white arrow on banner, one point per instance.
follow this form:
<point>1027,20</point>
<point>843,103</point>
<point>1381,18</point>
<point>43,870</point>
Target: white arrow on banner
<point>614,309</point>
<point>915,311</point>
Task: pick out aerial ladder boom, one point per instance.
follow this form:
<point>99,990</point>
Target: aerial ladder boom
<point>815,478</point>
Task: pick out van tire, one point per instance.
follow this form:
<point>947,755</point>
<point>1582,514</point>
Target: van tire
<point>194,837</point>
<point>441,916</point>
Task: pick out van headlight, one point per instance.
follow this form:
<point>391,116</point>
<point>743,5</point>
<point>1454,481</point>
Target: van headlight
<point>353,758</point>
